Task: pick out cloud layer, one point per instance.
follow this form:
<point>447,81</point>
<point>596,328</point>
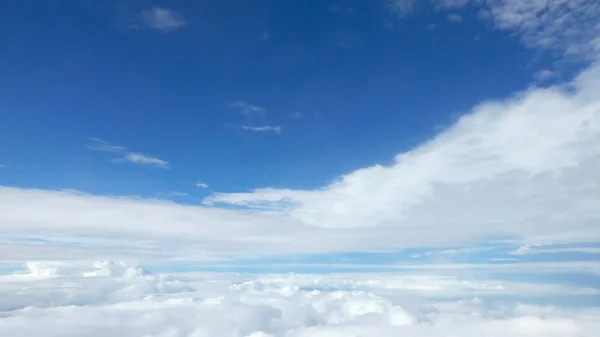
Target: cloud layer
<point>113,298</point>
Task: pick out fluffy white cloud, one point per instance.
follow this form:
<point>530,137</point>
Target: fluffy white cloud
<point>113,298</point>
<point>163,19</point>
<point>523,168</point>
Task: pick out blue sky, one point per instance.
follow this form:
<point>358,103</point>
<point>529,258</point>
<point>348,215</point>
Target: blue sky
<point>349,84</point>
<point>293,135</point>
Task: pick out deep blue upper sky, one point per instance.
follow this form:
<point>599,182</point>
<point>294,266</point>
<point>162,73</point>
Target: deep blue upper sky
<point>349,83</point>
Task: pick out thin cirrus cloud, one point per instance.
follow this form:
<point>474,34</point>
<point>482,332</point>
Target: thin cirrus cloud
<point>401,7</point>
<point>125,155</point>
<point>248,109</point>
<point>162,19</point>
<point>569,26</point>
<point>454,18</point>
<point>142,159</point>
<point>262,128</point>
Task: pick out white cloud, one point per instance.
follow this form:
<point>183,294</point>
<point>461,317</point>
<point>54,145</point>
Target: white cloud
<point>262,128</point>
<point>132,157</point>
<point>102,145</point>
<point>163,19</point>
<point>537,249</point>
<point>142,159</point>
<point>2,166</point>
<point>544,75</point>
<point>523,168</point>
<point>248,109</point>
<point>201,185</point>
<point>116,299</point>
<point>570,26</point>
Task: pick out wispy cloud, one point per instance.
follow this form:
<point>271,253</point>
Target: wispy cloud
<point>544,75</point>
<point>454,18</point>
<point>142,159</point>
<point>570,26</point>
<point>102,145</point>
<point>201,185</point>
<point>539,249</point>
<point>263,128</point>
<point>265,36</point>
<point>2,166</point>
<point>132,157</point>
<point>163,19</point>
<point>401,7</point>
<point>296,115</point>
<point>248,109</point>
<point>175,194</point>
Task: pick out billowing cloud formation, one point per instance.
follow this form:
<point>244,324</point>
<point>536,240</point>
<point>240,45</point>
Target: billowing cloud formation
<point>525,167</point>
<point>115,299</point>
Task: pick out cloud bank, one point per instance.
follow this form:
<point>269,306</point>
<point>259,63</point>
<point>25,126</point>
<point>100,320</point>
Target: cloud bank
<point>113,298</point>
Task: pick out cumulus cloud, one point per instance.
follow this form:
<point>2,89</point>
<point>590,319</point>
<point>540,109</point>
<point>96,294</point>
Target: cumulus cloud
<point>524,167</point>
<point>163,19</point>
<point>114,298</point>
<point>137,158</point>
